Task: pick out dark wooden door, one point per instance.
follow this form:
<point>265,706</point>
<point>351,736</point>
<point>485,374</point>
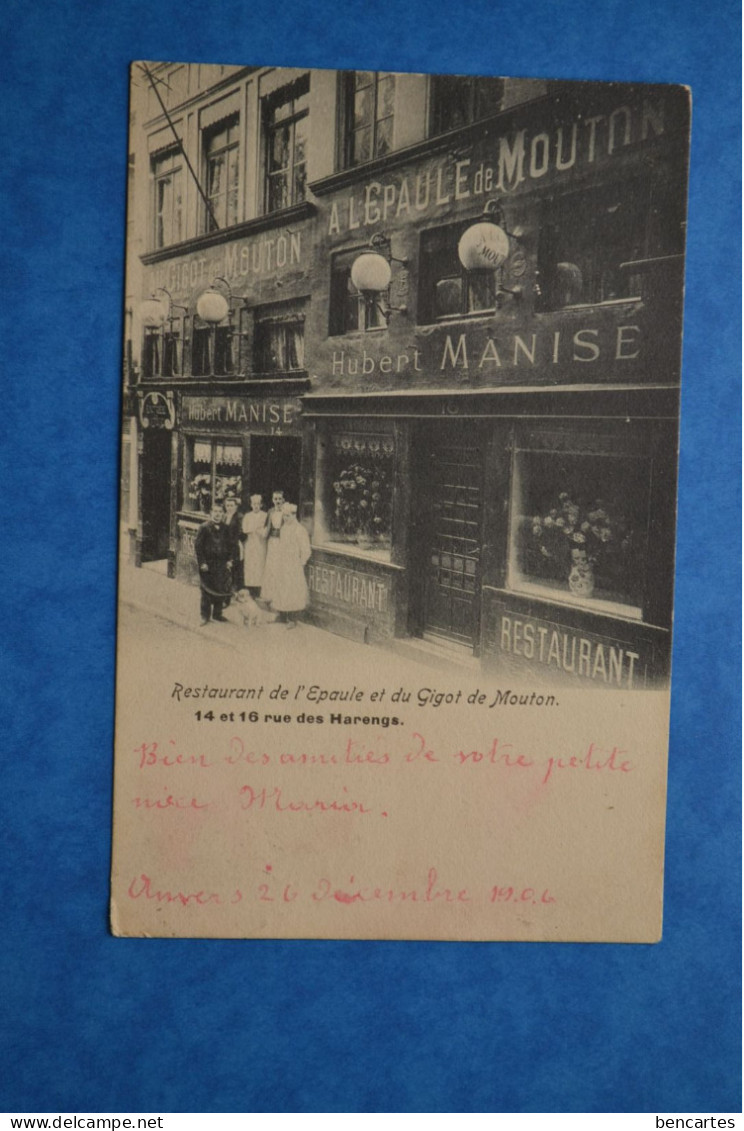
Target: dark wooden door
<point>156,488</point>
<point>451,537</point>
<point>274,465</point>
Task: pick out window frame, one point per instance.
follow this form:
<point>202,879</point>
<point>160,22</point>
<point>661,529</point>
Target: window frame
<point>167,168</point>
<point>162,352</point>
<point>231,148</point>
<point>574,445</point>
<point>370,317</point>
<point>188,477</point>
<point>290,93</point>
<point>215,342</point>
<point>329,461</point>
<point>426,305</point>
<point>349,91</point>
<point>266,319</point>
<point>557,235</point>
<point>475,85</point>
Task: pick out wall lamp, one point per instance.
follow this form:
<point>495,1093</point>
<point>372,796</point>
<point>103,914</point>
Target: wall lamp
<point>371,273</point>
<point>484,246</point>
<point>154,313</point>
<point>212,306</point>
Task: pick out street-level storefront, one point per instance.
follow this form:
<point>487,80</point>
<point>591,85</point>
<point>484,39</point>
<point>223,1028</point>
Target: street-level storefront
<point>496,344</point>
<point>532,531</point>
<point>232,447</point>
<point>222,368</point>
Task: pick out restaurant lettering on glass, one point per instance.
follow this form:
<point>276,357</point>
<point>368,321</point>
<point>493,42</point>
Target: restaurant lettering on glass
<point>443,314</point>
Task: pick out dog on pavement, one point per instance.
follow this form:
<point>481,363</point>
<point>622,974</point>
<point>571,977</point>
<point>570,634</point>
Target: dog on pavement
<point>251,611</point>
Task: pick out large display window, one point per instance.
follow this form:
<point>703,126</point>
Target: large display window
<point>580,523</point>
<point>213,470</point>
<point>354,490</point>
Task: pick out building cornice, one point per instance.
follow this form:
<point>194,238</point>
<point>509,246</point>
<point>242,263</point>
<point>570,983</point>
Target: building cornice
<point>252,227</point>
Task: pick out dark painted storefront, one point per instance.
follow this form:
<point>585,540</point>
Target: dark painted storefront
<point>485,460</point>
<point>504,420</point>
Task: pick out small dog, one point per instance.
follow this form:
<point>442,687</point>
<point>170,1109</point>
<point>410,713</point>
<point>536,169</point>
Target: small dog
<point>251,611</point>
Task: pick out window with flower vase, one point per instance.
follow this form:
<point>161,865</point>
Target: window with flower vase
<point>213,470</point>
<point>579,528</point>
<point>354,500</point>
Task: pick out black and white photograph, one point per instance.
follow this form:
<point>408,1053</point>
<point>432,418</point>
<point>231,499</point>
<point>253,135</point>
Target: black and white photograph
<point>434,322</point>
<point>399,448</point>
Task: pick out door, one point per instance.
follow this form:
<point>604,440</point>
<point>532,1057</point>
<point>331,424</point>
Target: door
<point>275,466</point>
<point>449,538</point>
<point>156,488</point>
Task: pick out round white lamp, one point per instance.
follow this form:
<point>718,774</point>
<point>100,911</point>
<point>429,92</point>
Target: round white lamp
<point>370,273</point>
<point>212,306</point>
<point>153,313</point>
<point>483,247</point>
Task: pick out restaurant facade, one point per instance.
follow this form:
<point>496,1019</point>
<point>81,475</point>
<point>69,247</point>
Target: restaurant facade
<point>443,315</point>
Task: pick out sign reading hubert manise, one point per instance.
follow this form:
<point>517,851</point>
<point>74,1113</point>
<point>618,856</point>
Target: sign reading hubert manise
<point>259,412</point>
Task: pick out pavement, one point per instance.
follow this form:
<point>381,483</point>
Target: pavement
<point>149,590</point>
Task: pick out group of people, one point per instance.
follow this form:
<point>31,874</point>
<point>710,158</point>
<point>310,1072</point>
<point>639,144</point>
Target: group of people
<point>263,552</point>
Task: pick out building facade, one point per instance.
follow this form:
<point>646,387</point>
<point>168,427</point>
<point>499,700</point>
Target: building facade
<point>443,314</point>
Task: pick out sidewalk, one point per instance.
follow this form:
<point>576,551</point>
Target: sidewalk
<point>149,589</point>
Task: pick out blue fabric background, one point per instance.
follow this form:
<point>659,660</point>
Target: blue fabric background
<point>96,1024</point>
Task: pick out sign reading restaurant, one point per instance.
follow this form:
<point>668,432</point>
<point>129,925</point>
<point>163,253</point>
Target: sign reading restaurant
<point>518,157</point>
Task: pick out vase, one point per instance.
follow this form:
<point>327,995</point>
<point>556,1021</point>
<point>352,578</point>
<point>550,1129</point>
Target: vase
<point>581,579</point>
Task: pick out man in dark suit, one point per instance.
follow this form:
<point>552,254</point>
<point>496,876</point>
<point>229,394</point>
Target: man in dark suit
<point>213,547</point>
<point>234,523</point>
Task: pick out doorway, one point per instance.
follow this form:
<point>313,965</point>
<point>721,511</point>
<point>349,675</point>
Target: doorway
<point>275,465</point>
<point>156,490</point>
<point>447,543</point>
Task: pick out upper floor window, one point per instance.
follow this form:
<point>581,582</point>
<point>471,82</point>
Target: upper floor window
<point>369,101</point>
<point>446,289</point>
<point>279,341</point>
<point>167,174</point>
<point>458,100</point>
<point>221,152</point>
<point>592,259</point>
<point>285,125</point>
<point>211,350</point>
<point>349,310</point>
<point>161,352</point>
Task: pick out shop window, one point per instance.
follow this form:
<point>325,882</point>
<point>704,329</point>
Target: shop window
<point>369,106</point>
<point>167,199</point>
<point>579,528</point>
<point>279,342</point>
<point>213,469</point>
<point>589,245</point>
<point>286,129</point>
<point>349,310</point>
<point>161,353</point>
<point>354,498</point>
<point>221,152</point>
<point>459,100</point>
<point>446,289</point>
<point>211,350</point>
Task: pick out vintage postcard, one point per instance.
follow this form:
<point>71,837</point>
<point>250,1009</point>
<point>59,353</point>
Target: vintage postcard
<point>400,419</point>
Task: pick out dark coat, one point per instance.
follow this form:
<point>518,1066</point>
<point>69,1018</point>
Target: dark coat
<point>214,549</point>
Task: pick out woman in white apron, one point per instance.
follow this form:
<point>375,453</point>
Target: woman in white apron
<point>256,531</point>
